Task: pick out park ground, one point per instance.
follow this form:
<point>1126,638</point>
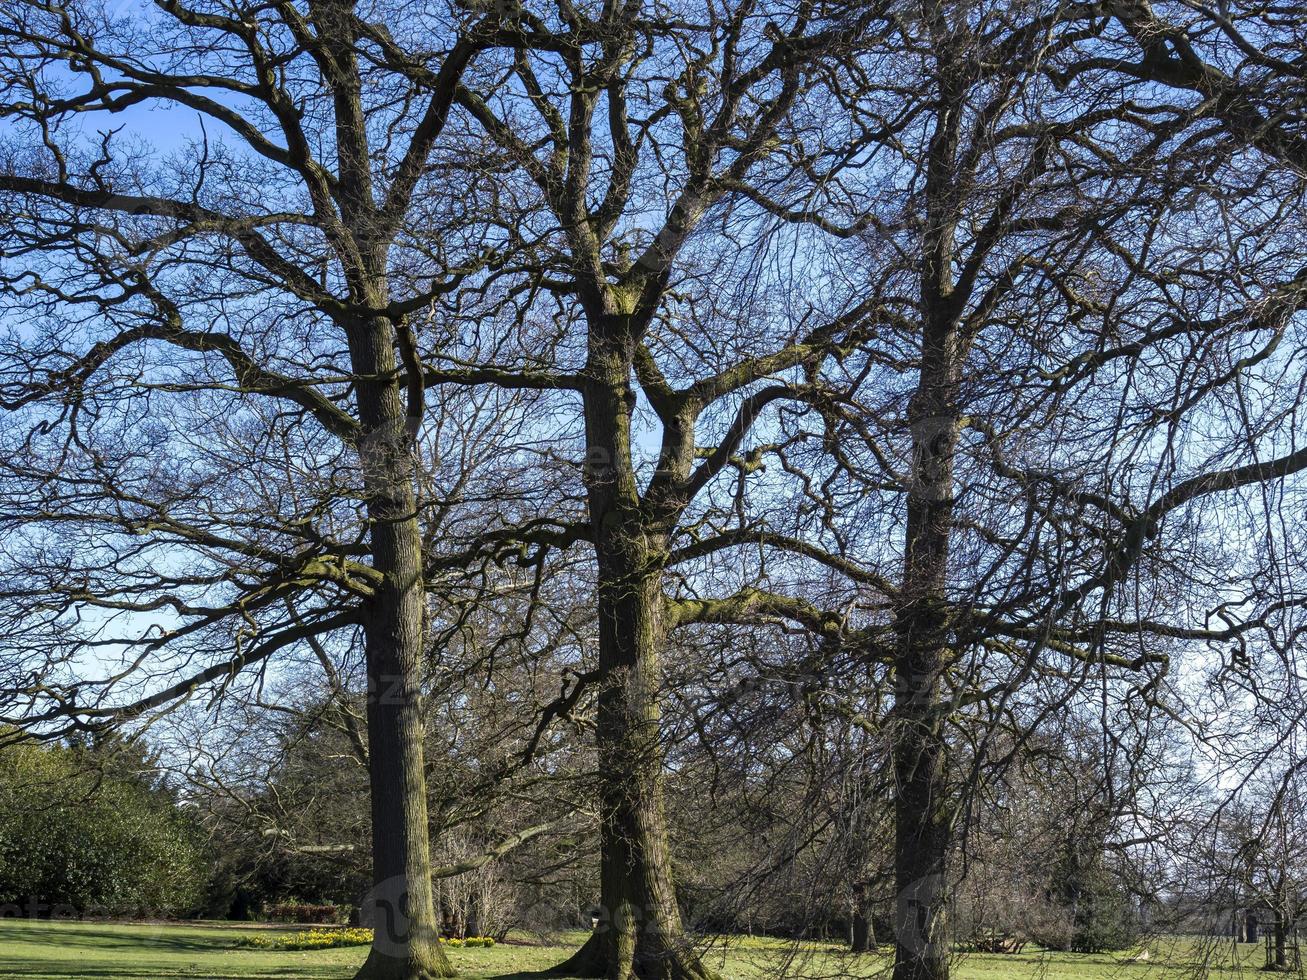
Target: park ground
<point>42,950</point>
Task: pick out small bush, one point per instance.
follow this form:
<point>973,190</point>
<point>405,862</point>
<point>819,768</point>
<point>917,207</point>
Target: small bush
<point>305,912</point>
<point>1099,917</point>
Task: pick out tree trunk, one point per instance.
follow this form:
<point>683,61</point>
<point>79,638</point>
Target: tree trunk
<point>921,807</point>
<point>922,620</point>
<point>406,943</point>
<point>861,938</point>
<point>640,933</point>
<point>921,830</point>
<point>1281,941</point>
<point>472,920</point>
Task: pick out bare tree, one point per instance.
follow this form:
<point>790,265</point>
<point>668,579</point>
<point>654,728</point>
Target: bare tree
<point>1054,403</point>
<point>1268,864</point>
<point>633,146</point>
<point>215,409</point>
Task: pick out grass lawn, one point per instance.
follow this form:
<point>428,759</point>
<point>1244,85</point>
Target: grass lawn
<point>86,950</point>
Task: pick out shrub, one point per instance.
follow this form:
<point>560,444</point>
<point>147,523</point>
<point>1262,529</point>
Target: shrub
<point>306,912</point>
<point>82,834</point>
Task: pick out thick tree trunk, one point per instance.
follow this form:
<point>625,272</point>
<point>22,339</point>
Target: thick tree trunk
<point>406,944</point>
<point>640,933</point>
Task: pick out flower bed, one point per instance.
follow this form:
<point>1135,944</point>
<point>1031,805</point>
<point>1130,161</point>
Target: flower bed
<point>332,938</point>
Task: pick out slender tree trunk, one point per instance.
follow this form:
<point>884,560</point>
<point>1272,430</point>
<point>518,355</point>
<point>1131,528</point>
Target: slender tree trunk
<point>640,933</point>
<point>1281,941</point>
<point>921,805</point>
<point>472,921</point>
<point>922,809</point>
<point>406,943</point>
<point>922,621</point>
<point>921,819</point>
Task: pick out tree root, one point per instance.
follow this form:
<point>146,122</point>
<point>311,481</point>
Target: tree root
<point>420,964</point>
<point>591,962</point>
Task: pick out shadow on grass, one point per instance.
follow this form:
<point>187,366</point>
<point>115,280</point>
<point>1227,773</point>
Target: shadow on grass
<point>79,972</point>
<point>40,934</point>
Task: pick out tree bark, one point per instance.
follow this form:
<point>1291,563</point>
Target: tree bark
<point>922,622</point>
<point>640,933</point>
<point>406,937</point>
<point>1281,941</point>
<point>472,919</point>
<point>406,944</point>
<point>861,938</point>
<point>921,822</point>
<point>921,805</point>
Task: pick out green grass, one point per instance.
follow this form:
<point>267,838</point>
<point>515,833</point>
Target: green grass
<point>102,951</point>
